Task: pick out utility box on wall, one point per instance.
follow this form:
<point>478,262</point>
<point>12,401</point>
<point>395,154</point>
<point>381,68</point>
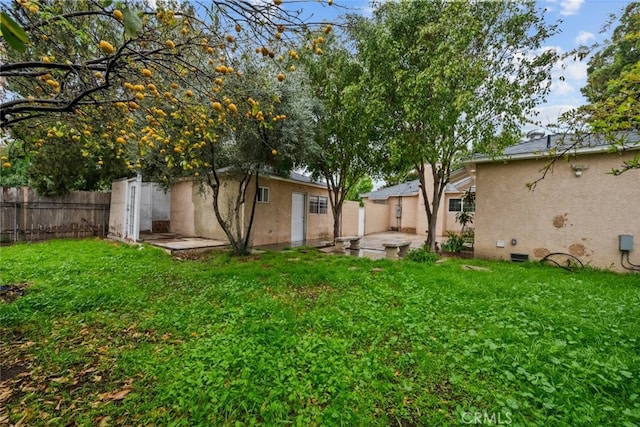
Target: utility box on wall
<point>626,242</point>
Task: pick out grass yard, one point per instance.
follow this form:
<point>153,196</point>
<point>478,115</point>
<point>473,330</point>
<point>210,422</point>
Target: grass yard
<point>98,333</point>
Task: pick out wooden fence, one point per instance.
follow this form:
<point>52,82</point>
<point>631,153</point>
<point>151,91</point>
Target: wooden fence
<point>27,216</point>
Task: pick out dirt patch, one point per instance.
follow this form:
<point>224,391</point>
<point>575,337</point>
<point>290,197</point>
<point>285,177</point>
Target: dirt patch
<point>577,249</point>
<point>9,372</point>
<point>560,221</point>
<point>10,293</point>
<point>541,252</point>
<point>313,292</point>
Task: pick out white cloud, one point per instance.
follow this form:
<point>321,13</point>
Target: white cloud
<point>584,36</point>
<point>575,70</point>
<point>562,87</point>
<point>570,7</point>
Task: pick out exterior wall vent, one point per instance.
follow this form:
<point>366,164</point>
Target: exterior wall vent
<point>519,257</point>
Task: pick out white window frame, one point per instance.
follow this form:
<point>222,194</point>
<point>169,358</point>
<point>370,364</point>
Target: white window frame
<point>318,208</point>
<point>463,207</point>
<point>260,196</point>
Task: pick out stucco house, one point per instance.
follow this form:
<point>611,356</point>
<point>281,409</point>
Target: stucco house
<point>291,209</point>
<point>579,208</point>
<point>401,207</point>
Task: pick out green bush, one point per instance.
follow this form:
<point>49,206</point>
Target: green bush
<point>422,255</point>
<point>454,243</point>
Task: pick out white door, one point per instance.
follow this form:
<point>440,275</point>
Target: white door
<point>132,210</point>
<point>298,211</point>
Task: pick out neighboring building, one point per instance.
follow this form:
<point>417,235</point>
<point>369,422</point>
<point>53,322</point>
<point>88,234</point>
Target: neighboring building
<point>401,207</point>
<point>293,209</point>
<point>579,208</point>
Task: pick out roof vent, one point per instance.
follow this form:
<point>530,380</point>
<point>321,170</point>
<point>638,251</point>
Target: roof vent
<point>535,134</point>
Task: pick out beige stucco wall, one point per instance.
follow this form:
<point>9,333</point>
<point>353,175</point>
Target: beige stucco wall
<point>582,216</point>
<point>407,222</point>
<point>182,208</point>
<point>376,217</point>
<point>272,222</point>
<point>117,209</point>
<point>422,224</point>
<point>192,211</point>
<point>350,212</point>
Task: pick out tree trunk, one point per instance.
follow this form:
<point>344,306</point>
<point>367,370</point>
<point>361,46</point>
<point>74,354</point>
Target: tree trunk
<point>336,199</point>
<point>440,179</point>
<point>233,227</point>
<point>337,216</point>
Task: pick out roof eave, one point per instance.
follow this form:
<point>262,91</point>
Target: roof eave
<point>294,181</point>
<point>540,155</point>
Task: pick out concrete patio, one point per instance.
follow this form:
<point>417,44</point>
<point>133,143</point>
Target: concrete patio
<point>371,246</point>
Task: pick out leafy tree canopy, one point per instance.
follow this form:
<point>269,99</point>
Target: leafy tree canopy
<point>447,77</point>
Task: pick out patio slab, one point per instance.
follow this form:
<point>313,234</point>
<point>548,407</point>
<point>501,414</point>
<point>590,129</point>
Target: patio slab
<point>177,245</point>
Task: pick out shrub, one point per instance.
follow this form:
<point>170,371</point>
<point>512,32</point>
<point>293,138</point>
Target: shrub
<point>454,243</point>
<point>422,255</point>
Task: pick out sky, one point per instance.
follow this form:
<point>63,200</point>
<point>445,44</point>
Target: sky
<point>581,23</point>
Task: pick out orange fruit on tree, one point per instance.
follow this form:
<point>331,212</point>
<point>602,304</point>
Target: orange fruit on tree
<point>106,47</point>
<point>281,77</point>
<point>118,15</point>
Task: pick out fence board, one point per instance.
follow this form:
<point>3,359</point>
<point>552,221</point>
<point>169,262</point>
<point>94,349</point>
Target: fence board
<point>27,216</point>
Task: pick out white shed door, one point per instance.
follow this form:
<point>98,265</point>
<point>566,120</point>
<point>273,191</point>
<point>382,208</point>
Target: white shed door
<point>298,210</point>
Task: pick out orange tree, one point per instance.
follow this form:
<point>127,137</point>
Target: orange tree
<point>129,87</point>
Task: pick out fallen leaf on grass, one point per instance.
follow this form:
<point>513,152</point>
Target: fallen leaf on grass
<point>115,395</point>
<point>5,395</point>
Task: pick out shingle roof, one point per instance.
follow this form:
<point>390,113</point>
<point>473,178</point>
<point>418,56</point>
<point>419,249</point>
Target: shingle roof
<point>540,146</point>
<point>410,188</point>
<point>293,176</point>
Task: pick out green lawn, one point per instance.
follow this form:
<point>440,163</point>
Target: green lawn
<point>115,334</point>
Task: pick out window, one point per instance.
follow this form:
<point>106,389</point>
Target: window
<point>263,195</point>
<point>318,204</point>
<point>322,205</point>
<point>462,205</point>
<point>455,205</point>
